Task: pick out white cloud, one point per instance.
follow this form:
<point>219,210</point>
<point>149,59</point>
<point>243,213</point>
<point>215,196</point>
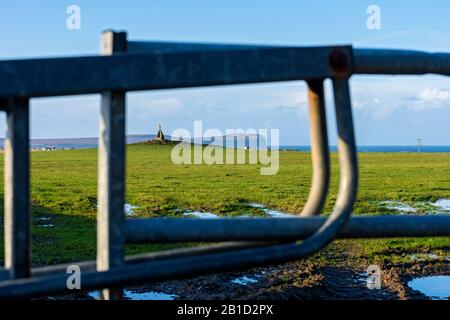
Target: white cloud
<point>375,107</point>
<point>431,98</point>
<point>383,102</point>
<point>434,94</point>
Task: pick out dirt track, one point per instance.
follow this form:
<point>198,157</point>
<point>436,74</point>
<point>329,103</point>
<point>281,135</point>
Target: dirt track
<point>302,280</point>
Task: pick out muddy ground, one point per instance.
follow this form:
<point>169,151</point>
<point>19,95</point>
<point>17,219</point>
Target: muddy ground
<point>332,274</point>
<point>296,281</point>
<point>302,280</point>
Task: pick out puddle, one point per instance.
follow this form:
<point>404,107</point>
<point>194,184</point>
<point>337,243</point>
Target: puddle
<point>270,212</point>
<point>442,205</point>
<point>423,256</point>
<point>438,207</point>
<point>277,214</point>
<point>134,295</point>
<point>43,222</point>
<point>257,205</point>
<point>129,209</point>
<point>149,295</point>
<point>435,287</point>
<point>210,215</point>
<point>201,215</point>
<point>244,280</point>
<point>362,277</point>
<point>399,206</point>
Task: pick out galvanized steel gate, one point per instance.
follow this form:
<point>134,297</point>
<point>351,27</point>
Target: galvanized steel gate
<point>129,66</point>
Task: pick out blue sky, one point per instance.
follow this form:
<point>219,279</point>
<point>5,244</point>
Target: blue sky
<point>387,110</point>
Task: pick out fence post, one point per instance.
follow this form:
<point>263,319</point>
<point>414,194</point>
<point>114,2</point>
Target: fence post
<point>17,188</point>
<point>111,172</point>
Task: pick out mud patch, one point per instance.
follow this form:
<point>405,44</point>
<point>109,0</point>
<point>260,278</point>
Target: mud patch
<point>296,280</point>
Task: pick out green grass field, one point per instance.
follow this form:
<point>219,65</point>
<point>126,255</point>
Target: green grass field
<point>64,187</point>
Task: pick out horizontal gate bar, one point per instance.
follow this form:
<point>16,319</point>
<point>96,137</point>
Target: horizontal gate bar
<point>379,61</point>
<point>129,72</point>
<point>168,46</point>
<point>154,267</point>
<point>375,61</point>
<point>178,66</point>
<point>90,265</point>
<point>281,229</point>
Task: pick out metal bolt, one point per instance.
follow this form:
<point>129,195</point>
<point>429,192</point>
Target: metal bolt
<point>338,61</point>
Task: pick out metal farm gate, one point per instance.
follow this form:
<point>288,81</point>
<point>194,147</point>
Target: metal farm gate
<point>247,242</point>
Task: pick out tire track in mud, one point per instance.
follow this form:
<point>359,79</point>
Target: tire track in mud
<point>304,280</point>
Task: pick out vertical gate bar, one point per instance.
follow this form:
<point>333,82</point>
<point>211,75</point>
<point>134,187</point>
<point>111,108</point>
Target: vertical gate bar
<point>111,173</point>
<point>319,149</point>
<point>348,163</point>
<point>17,188</point>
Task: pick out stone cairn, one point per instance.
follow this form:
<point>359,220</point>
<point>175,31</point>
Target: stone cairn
<point>160,135</point>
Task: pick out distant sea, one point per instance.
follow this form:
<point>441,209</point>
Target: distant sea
<point>92,142</point>
<point>379,148</point>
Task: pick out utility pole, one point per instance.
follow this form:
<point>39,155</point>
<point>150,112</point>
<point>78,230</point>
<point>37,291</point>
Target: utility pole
<point>419,144</point>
